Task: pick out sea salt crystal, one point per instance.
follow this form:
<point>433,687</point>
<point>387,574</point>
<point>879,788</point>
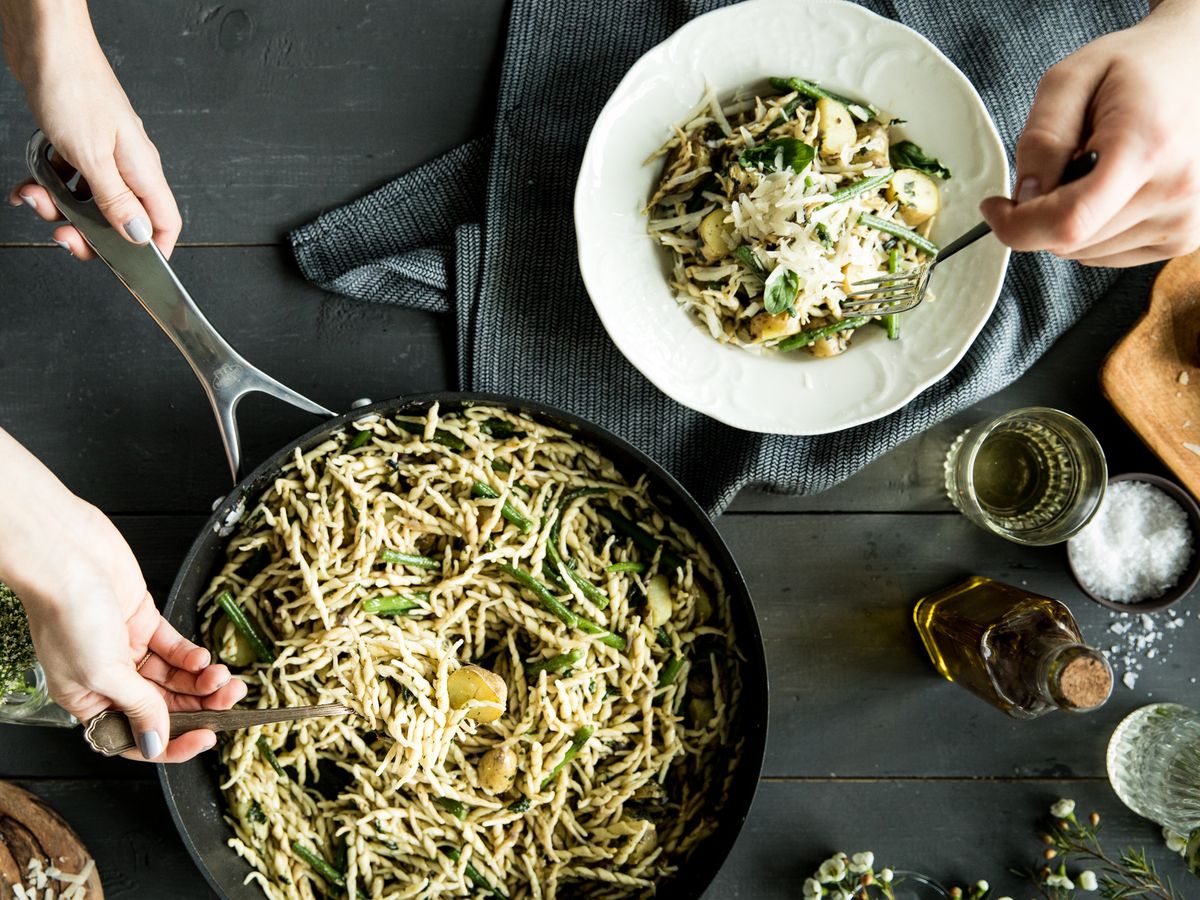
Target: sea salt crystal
<point>1129,679</point>
<point>1137,546</point>
<point>1183,377</point>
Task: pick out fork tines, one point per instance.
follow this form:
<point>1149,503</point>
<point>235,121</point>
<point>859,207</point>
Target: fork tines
<point>892,293</point>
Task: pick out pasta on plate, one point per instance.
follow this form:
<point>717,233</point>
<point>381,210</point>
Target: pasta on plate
<point>543,666</point>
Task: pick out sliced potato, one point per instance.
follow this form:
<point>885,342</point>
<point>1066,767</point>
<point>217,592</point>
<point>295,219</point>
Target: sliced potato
<point>835,127</point>
<point>717,239</point>
<point>830,346</point>
<point>233,649</point>
<point>767,327</point>
<point>916,195</point>
<point>658,596</point>
<point>484,694</point>
<point>497,770</point>
<point>701,710</point>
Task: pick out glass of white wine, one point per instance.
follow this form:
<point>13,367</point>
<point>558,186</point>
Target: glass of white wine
<point>1034,476</point>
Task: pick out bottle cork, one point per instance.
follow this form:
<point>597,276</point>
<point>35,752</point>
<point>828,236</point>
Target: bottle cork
<point>1085,682</point>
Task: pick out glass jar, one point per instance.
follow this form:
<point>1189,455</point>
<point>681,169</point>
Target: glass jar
<point>1154,765</point>
<point>30,704</point>
<point>1035,476</point>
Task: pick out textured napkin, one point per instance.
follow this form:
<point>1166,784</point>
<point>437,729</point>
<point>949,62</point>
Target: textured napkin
<point>486,233</point>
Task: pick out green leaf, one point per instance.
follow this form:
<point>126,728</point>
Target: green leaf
<point>781,289</point>
<point>907,155</point>
<point>823,236</point>
<point>781,153</point>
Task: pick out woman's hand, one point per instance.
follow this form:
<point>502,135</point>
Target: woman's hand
<point>1129,97</point>
<point>97,632</point>
<point>79,104</point>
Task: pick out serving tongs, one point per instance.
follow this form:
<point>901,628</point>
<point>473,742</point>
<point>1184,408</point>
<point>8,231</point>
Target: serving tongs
<point>225,375</point>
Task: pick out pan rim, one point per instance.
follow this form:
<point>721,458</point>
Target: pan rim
<point>754,712</point>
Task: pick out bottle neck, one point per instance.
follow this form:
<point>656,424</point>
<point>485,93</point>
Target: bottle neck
<point>1074,677</point>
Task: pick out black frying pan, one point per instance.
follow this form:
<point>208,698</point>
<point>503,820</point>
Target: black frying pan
<point>191,789</point>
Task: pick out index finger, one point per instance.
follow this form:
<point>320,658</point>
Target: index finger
<point>1065,220</point>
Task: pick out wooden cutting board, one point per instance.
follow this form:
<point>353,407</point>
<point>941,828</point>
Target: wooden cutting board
<point>1142,375</point>
<point>28,829</point>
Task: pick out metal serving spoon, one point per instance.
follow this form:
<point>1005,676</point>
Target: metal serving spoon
<point>109,733</point>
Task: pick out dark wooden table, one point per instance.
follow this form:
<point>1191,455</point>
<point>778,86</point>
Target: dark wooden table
<point>268,113</point>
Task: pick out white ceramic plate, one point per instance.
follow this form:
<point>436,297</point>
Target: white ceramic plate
<point>850,50</point>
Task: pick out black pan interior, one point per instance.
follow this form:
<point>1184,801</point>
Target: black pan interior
<point>192,789</point>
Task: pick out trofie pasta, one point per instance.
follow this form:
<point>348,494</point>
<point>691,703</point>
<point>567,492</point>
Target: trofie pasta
<point>543,665</point>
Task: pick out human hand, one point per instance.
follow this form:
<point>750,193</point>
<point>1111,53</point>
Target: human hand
<point>98,635</point>
<point>1127,96</point>
<point>79,104</point>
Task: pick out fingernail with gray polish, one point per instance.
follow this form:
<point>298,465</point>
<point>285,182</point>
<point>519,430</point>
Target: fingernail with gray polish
<point>29,201</point>
<point>150,744</point>
<point>138,229</point>
<point>65,246</point>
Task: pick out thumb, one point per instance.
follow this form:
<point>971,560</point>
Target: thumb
<point>143,705</point>
<point>116,200</point>
<point>1055,127</point>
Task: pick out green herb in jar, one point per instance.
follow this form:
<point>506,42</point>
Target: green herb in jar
<point>16,646</point>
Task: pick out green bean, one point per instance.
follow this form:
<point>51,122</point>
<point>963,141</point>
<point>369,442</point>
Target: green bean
<point>588,589</point>
<point>746,254</point>
<point>626,567</point>
<point>269,755</point>
<point>479,489</point>
<point>554,663</point>
<point>499,428</point>
<point>892,322</point>
<point>581,737</point>
<point>474,875</point>
<point>392,605</point>
<point>863,111</point>
<point>670,671</point>
<point>499,465</point>
<point>388,555</point>
<point>858,187</point>
<point>445,438</point>
<point>555,607</point>
<point>452,806</point>
<point>319,865</point>
<point>359,439</point>
<point>626,528</point>
<point>245,627</point>
<point>804,338</point>
<point>905,234</point>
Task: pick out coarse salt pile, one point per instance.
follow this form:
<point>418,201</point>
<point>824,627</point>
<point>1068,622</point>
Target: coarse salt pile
<point>1137,546</point>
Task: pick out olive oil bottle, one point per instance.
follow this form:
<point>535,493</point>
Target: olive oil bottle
<point>1020,652</point>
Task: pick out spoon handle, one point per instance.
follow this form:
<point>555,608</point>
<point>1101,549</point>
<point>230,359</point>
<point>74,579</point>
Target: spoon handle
<point>109,733</point>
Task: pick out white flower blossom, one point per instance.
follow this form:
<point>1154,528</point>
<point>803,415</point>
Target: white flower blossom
<point>862,862</point>
<point>1086,880</point>
<point>886,876</point>
<point>844,895</point>
<point>812,889</point>
<point>1176,842</point>
<point>1063,808</point>
<point>982,886</point>
<point>1004,898</point>
<point>832,870</point>
<point>1062,881</point>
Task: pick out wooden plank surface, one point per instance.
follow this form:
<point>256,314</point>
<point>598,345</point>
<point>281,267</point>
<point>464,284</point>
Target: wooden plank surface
<point>956,830</point>
<point>266,113</point>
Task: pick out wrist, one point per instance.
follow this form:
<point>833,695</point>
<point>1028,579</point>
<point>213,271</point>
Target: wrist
<point>35,33</point>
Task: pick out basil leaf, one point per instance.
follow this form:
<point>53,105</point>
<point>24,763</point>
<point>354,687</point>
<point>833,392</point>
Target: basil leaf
<point>784,152</point>
<point>907,155</point>
<point>781,289</point>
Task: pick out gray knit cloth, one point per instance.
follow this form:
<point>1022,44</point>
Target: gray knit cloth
<point>486,232</point>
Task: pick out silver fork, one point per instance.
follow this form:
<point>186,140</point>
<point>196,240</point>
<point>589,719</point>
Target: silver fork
<point>898,292</point>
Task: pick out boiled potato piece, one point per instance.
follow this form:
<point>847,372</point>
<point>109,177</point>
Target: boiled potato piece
<point>716,238</point>
<point>702,711</point>
<point>497,770</point>
<point>916,195</point>
<point>658,596</point>
<point>830,346</point>
<point>233,649</point>
<point>767,327</point>
<point>835,127</point>
<point>484,691</point>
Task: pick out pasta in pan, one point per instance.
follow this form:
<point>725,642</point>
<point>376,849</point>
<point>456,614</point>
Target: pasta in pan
<point>542,664</point>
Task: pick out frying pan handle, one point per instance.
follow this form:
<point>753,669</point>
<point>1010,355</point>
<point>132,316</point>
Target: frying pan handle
<point>224,374</point>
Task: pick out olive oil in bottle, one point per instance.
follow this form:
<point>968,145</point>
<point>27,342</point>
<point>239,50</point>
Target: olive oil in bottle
<point>1020,652</point>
